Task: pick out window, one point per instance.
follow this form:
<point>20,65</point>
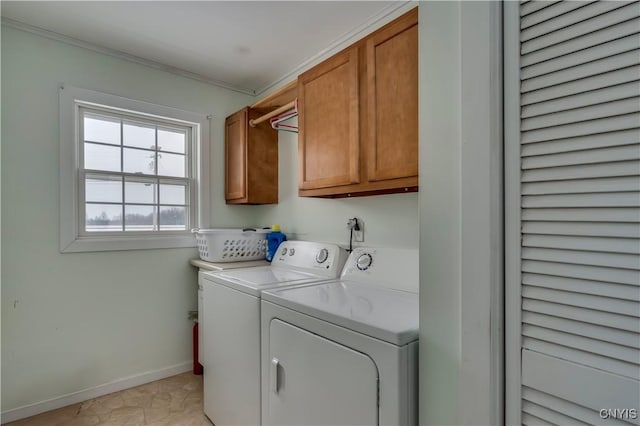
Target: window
<point>132,173</point>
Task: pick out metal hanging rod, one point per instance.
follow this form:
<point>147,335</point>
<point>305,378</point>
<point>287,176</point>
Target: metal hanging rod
<point>283,108</point>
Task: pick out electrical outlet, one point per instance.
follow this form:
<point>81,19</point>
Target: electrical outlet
<point>358,236</point>
<point>356,227</point>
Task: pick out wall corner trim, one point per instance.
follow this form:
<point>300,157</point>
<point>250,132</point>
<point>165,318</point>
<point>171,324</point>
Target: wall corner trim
<point>52,35</point>
<point>374,22</point>
<point>344,40</point>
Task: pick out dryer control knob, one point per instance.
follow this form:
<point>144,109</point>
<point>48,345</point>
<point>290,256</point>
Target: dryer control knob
<point>364,262</point>
<point>322,255</point>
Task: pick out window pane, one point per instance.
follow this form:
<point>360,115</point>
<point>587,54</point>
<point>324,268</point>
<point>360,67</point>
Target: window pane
<point>172,194</point>
<point>171,164</point>
<point>101,129</point>
<point>173,218</point>
<point>138,161</point>
<point>140,192</point>
<point>103,217</point>
<point>171,140</point>
<point>139,218</point>
<point>139,135</point>
<point>101,157</point>
<point>107,189</point>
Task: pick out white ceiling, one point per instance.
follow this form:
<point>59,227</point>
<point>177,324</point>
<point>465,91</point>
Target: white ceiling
<point>244,45</point>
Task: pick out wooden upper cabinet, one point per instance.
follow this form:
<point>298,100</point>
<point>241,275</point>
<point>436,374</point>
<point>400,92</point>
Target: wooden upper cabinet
<point>236,156</point>
<point>358,116</point>
<point>392,90</point>
<point>328,121</point>
<point>251,160</point>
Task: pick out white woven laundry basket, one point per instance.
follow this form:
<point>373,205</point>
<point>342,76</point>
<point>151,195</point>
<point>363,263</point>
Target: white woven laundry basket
<point>231,245</point>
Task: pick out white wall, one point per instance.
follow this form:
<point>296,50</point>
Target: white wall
<point>440,212</point>
<point>0,219</point>
<point>75,321</point>
<point>460,214</point>
<point>72,322</point>
<point>390,220</point>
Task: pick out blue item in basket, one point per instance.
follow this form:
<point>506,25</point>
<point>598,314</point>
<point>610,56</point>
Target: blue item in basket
<point>274,238</point>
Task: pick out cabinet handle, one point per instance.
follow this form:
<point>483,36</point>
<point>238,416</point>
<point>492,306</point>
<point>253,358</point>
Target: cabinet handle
<point>275,363</point>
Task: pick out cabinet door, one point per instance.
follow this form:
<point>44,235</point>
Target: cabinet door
<point>236,156</point>
<point>392,105</point>
<point>262,162</point>
<point>328,122</point>
<point>315,381</point>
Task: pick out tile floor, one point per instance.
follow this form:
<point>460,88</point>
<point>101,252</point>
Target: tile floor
<point>174,401</point>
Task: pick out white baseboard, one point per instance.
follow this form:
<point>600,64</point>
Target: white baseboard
<point>93,392</point>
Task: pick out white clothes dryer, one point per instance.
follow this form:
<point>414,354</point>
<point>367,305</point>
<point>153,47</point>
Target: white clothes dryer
<point>232,325</point>
<point>344,352</point>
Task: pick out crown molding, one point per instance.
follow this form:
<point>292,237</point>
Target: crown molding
<point>376,21</point>
<point>11,23</point>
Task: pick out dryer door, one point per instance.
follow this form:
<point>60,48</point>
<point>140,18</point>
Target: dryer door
<point>315,381</point>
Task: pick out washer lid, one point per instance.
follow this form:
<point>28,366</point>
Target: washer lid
<point>254,280</point>
<point>383,313</point>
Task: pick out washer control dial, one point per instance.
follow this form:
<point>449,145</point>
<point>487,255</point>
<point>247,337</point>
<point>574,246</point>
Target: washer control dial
<point>364,261</point>
<point>284,251</point>
<point>322,255</point>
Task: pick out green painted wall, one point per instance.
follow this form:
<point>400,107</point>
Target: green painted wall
<point>390,220</point>
<point>75,321</point>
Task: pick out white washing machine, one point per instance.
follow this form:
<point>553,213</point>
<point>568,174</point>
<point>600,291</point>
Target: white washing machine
<point>344,352</point>
<point>232,325</point>
<point>204,267</point>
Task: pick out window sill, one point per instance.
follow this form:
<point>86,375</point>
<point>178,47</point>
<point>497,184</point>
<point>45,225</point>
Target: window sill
<point>133,242</point>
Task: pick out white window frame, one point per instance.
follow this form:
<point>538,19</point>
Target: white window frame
<point>73,237</point>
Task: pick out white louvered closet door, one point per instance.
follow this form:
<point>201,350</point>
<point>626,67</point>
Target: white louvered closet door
<point>579,213</point>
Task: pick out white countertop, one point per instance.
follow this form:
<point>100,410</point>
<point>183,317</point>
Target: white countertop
<point>219,266</point>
